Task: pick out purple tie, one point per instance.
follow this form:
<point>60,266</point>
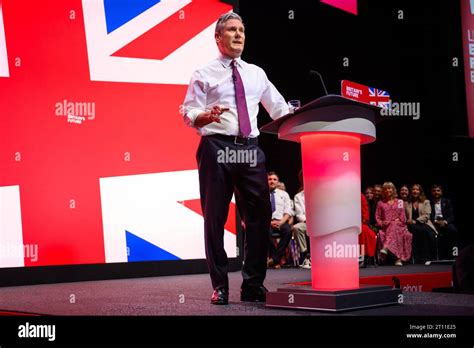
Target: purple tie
<point>272,200</point>
<point>244,119</point>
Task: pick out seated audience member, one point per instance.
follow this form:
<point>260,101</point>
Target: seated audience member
<point>367,237</point>
<point>294,250</point>
<point>378,192</point>
<point>369,195</point>
<point>404,193</point>
<point>281,185</point>
<point>391,220</point>
<point>418,211</point>
<point>442,217</point>
<point>281,212</point>
<point>463,271</point>
<point>299,230</point>
<point>291,221</point>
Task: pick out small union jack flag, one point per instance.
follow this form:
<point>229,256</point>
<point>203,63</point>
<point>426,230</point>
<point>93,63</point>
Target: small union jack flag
<point>379,98</point>
<point>365,94</point>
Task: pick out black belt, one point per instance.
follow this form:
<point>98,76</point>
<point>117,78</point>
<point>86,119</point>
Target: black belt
<point>235,139</point>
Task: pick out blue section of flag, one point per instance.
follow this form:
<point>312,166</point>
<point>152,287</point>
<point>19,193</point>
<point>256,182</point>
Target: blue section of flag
<point>119,12</point>
<point>374,92</point>
<point>379,97</point>
<point>139,249</point>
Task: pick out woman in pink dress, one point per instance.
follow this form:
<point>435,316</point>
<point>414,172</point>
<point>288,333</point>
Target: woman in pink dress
<point>391,219</point>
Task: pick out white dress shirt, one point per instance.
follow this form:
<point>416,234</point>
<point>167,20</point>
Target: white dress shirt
<point>438,210</point>
<point>213,85</point>
<point>300,207</point>
<point>282,204</point>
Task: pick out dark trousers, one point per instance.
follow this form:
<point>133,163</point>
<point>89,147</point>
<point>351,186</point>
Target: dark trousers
<point>284,233</point>
<point>218,179</point>
<point>424,242</point>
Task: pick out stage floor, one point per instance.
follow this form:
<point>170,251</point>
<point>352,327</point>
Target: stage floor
<point>189,295</point>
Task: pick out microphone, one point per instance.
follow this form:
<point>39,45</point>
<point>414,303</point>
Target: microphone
<point>234,78</point>
<point>314,72</point>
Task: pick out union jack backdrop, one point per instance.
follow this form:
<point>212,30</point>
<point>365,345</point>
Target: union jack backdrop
<point>96,162</point>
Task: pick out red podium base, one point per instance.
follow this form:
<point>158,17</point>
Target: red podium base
<point>331,130</point>
<point>299,297</point>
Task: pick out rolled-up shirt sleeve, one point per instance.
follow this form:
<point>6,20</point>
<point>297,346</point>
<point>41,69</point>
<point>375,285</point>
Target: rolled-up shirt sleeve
<point>287,204</point>
<point>195,100</point>
<point>273,101</point>
<point>300,209</point>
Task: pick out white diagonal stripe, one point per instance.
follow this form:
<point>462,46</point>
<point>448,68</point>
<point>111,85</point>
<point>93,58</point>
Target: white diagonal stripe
<point>176,68</point>
<point>142,23</point>
<point>11,234</point>
<point>147,206</point>
<point>3,48</point>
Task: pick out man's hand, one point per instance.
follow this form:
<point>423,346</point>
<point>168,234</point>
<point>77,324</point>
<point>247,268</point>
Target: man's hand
<point>275,224</point>
<point>216,112</point>
<point>210,116</point>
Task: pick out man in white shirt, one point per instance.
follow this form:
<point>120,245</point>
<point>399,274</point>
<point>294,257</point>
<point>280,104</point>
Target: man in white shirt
<point>222,103</point>
<point>299,229</point>
<point>281,212</point>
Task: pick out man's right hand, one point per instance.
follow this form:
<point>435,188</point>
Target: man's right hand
<point>210,116</point>
<point>216,112</point>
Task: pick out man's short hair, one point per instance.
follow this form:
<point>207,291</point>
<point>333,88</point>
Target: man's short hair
<point>224,18</point>
<point>437,186</point>
<point>273,173</point>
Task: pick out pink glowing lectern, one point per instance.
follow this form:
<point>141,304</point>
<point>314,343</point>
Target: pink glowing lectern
<point>331,130</point>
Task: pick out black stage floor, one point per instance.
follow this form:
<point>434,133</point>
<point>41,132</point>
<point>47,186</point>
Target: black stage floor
<point>189,296</point>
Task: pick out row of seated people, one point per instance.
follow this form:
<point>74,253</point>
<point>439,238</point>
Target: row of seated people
<point>406,228</point>
<point>289,221</point>
<point>410,227</point>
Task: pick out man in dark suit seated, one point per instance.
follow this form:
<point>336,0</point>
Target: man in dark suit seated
<point>442,217</point>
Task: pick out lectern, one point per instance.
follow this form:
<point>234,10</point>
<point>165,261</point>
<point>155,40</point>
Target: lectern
<point>331,130</point>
